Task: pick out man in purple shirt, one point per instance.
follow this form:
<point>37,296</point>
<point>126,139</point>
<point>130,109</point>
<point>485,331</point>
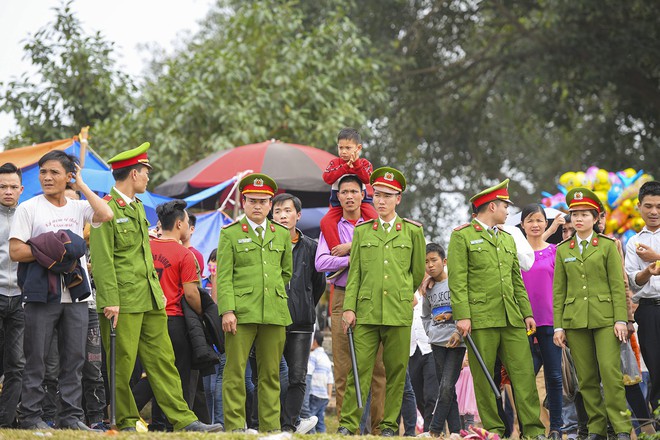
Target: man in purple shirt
<point>336,260</point>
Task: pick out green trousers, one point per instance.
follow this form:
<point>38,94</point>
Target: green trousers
<point>597,357</point>
<point>396,345</point>
<point>269,344</point>
<point>146,335</point>
<point>512,346</point>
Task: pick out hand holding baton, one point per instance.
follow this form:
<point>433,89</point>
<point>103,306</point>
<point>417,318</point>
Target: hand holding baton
<point>351,349</point>
<point>483,366</point>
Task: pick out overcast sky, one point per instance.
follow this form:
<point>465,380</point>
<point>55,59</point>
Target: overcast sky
<point>128,23</point>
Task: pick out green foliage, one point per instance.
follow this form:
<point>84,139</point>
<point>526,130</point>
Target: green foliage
<point>250,75</point>
<point>75,83</point>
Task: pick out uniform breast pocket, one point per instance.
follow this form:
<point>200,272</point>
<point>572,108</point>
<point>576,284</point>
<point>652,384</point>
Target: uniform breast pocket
<point>369,250</point>
<point>125,235</point>
<point>274,254</point>
<point>402,248</point>
<point>247,253</point>
<point>604,306</point>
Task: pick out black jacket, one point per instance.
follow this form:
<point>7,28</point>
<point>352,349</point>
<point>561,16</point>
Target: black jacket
<point>56,254</point>
<point>306,286</point>
<point>204,332</point>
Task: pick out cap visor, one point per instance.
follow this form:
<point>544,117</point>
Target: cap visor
<point>385,189</point>
<point>257,195</point>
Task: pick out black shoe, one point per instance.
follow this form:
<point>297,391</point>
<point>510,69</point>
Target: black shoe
<point>343,431</point>
<point>596,437</point>
<point>198,426</point>
<point>623,436</point>
<point>40,425</point>
<point>387,432</point>
<point>79,426</point>
<point>554,435</point>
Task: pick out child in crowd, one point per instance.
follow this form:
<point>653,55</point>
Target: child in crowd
<point>446,343</point>
<point>320,368</point>
<point>349,145</point>
<point>467,402</point>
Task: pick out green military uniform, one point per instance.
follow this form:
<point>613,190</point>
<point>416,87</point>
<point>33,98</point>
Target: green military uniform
<point>385,270</point>
<point>124,276</point>
<point>487,288</point>
<point>588,298</point>
<point>252,273</point>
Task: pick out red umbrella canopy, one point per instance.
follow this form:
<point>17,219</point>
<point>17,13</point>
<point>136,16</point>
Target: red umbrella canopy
<point>294,168</point>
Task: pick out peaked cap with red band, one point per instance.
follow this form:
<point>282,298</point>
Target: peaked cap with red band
<point>257,184</point>
<point>580,199</point>
<point>131,157</point>
<point>497,192</point>
<point>388,180</point>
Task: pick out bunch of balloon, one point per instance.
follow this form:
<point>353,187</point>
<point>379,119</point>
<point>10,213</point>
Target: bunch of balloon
<point>616,190</point>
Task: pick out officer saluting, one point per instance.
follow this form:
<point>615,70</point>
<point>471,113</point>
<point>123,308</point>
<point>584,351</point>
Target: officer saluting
<point>387,265</point>
<point>589,304</point>
<point>489,301</point>
<point>254,265</point>
<point>128,291</point>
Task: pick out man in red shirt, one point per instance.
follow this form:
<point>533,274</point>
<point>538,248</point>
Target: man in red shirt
<point>178,276</point>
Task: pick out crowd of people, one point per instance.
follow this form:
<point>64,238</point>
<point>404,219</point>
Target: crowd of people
<point>415,329</point>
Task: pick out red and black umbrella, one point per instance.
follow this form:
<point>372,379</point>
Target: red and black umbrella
<point>295,168</point>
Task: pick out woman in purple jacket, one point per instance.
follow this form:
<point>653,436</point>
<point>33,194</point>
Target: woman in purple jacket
<point>538,282</point>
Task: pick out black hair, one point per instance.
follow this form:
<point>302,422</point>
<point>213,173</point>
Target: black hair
<point>349,134</point>
<point>435,247</point>
<point>68,161</point>
<point>651,188</point>
<point>121,174</point>
<point>10,168</point>
<point>170,212</point>
<point>349,178</point>
<point>532,209</point>
<point>192,219</point>
<point>318,337</point>
<point>213,256</point>
<point>567,218</point>
<point>283,197</point>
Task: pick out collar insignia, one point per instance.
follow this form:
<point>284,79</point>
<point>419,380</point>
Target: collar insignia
<point>245,227</point>
<point>389,176</point>
<point>121,202</point>
<point>572,245</point>
<point>375,227</point>
<point>258,182</point>
<point>398,226</point>
<point>272,227</point>
<point>594,241</point>
<point>478,227</point>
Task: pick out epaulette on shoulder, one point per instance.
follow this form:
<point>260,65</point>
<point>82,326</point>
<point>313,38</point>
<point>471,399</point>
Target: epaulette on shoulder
<point>412,222</point>
<point>565,241</point>
<point>107,198</point>
<point>463,226</point>
<point>231,224</point>
<point>608,237</point>
<point>366,222</point>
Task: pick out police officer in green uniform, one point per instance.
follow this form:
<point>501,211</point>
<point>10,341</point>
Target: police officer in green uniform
<point>128,292</point>
<point>254,265</point>
<point>387,265</point>
<point>489,301</point>
<point>589,304</point>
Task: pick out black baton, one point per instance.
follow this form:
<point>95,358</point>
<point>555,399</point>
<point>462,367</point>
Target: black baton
<point>483,366</point>
<point>113,374</point>
<point>351,349</point>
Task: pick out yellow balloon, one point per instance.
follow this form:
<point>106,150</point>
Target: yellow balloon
<point>566,180</point>
<point>602,182</point>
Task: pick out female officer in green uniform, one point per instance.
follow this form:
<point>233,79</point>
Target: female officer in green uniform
<point>589,302</point>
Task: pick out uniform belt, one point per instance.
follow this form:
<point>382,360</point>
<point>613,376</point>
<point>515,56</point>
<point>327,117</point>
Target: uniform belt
<point>649,301</point>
